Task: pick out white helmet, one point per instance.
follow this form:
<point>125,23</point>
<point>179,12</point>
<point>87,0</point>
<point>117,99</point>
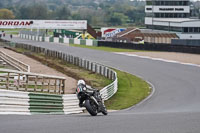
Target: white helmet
<point>81,82</point>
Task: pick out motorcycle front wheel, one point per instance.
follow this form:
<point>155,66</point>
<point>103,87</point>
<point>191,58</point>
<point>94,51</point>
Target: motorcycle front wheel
<point>91,107</point>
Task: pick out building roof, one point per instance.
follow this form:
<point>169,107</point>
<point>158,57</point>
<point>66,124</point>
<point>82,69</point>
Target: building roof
<point>125,32</point>
<point>169,35</point>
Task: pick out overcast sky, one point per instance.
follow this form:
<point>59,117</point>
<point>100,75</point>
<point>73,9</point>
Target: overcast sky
<point>190,0</point>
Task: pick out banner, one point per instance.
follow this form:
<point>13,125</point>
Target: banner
<point>111,32</point>
<point>43,24</point>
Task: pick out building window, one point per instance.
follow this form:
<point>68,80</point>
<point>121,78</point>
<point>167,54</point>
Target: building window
<point>149,14</point>
<point>171,15</point>
<point>191,29</point>
<point>148,9</point>
<point>196,29</point>
<point>185,30</point>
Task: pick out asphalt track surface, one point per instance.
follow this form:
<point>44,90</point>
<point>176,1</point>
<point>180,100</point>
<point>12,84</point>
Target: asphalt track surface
<point>173,108</point>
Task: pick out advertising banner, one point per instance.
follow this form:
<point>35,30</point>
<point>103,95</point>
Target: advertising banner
<point>111,32</point>
<point>43,24</point>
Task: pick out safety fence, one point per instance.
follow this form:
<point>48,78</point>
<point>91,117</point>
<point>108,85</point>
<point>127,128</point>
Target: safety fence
<point>65,40</point>
<point>14,62</point>
<point>26,103</point>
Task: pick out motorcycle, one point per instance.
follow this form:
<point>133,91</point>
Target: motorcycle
<point>91,99</point>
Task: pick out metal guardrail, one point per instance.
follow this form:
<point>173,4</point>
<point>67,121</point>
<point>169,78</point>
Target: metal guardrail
<point>31,82</point>
<point>14,62</point>
<point>106,92</point>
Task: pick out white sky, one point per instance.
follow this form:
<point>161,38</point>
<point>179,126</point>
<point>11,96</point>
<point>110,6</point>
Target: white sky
<point>145,0</point>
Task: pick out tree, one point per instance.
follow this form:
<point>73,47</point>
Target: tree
<point>38,11</point>
<point>118,19</point>
<point>136,14</point>
<point>6,14</point>
<point>84,14</point>
<point>63,13</point>
<point>24,13</point>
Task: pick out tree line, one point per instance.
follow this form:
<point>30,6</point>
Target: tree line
<point>97,13</point>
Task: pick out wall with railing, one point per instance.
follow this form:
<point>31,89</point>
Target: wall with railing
<point>31,82</point>
<point>14,62</point>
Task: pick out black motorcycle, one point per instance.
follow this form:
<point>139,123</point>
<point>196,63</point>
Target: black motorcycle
<point>90,99</point>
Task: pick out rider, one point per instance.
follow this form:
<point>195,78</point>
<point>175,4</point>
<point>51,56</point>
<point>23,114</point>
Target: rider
<point>82,85</point>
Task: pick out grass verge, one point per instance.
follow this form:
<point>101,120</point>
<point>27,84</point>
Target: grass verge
<point>131,89</point>
<point>108,49</point>
<point>13,33</point>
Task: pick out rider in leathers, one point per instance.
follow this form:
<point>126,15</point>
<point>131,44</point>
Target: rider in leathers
<point>81,84</point>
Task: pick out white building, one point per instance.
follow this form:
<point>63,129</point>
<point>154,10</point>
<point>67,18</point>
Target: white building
<point>173,16</point>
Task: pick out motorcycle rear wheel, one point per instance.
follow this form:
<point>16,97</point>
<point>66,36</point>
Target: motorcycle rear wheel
<point>91,107</point>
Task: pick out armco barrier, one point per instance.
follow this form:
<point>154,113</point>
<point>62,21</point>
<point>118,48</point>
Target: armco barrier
<point>14,62</point>
<point>60,40</point>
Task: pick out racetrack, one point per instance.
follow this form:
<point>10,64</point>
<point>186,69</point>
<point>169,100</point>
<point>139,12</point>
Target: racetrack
<point>173,108</point>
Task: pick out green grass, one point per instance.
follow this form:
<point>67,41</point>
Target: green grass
<point>10,29</point>
<point>131,90</point>
<point>2,67</point>
<point>108,49</point>
<point>14,33</point>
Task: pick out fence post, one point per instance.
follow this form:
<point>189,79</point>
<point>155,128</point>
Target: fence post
<point>104,71</point>
<point>49,85</point>
<point>108,73</point>
<point>63,87</point>
<point>26,88</point>
<point>100,71</point>
<point>42,84</point>
<point>18,82</point>
<point>88,65</point>
<point>96,68</point>
<point>55,85</point>
<point>7,81</point>
<point>36,79</point>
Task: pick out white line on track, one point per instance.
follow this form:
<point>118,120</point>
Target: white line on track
<point>159,59</point>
